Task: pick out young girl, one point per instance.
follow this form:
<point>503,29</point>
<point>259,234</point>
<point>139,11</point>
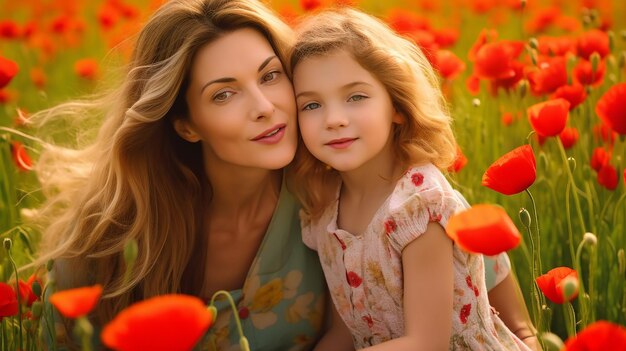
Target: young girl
<point>375,202</point>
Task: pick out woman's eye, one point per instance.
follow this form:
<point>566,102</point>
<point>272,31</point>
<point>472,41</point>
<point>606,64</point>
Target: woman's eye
<point>223,96</point>
<point>311,106</point>
<point>357,97</point>
<point>270,76</point>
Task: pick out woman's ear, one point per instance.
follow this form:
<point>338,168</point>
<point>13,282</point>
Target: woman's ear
<point>185,130</point>
<point>397,118</point>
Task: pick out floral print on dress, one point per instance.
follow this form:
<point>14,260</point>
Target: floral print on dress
<point>364,272</point>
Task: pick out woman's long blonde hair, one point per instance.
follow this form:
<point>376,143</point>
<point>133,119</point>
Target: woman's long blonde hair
<point>140,180</point>
<point>424,136</point>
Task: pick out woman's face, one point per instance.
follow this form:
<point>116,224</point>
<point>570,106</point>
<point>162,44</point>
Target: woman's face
<point>241,104</point>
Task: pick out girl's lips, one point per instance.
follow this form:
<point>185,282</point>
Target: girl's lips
<point>271,136</point>
<point>342,143</point>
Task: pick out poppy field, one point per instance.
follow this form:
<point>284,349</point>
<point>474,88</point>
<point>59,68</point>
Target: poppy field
<point>537,93</point>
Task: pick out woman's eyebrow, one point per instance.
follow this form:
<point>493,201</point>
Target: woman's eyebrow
<point>229,79</point>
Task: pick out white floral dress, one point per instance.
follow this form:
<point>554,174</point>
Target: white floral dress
<point>364,273</point>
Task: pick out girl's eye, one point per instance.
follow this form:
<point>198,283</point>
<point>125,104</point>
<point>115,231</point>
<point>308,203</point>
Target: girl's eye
<point>270,76</point>
<point>357,97</point>
<point>311,106</point>
<point>223,96</point>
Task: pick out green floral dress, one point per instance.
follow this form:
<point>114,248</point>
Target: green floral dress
<point>282,303</point>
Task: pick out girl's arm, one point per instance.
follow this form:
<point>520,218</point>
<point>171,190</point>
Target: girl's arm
<point>507,299</point>
<point>337,337</point>
<point>428,293</point>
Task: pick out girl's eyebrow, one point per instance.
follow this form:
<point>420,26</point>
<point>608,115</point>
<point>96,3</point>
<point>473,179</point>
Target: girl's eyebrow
<point>345,87</point>
<point>230,79</point>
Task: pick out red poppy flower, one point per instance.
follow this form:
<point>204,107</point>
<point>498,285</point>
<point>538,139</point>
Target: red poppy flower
<point>584,74</point>
<point>26,293</point>
<point>74,303</point>
<point>593,41</point>
<point>598,336</point>
<point>603,132</point>
<point>569,23</point>
<point>510,82</point>
<point>403,21</point>
<point>551,283</point>
<point>599,158</point>
<point>473,84</point>
<point>459,162</point>
<point>8,301</point>
<point>548,118</point>
<point>555,46</point>
<point>38,77</point>
<point>107,16</point>
<point>512,173</point>
<point>310,5</point>
<point>507,118</point>
<point>608,176</point>
<point>543,19</point>
<point>446,37</point>
<point>448,64</point>
<point>611,108</point>
<point>20,157</point>
<point>569,137</point>
<point>9,29</point>
<point>8,70</point>
<point>483,228</point>
<point>494,60</point>
<point>575,94</point>
<point>86,68</point>
<point>166,322</point>
<point>551,73</point>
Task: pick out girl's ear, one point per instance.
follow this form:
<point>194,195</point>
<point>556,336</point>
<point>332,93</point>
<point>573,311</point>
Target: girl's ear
<point>185,130</point>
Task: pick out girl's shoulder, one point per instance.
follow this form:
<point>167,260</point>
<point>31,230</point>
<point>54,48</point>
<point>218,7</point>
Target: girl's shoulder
<point>422,179</point>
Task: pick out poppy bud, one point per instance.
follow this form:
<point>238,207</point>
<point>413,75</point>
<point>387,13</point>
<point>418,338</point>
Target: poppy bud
<point>475,102</point>
<point>590,238</point>
<point>213,311</point>
<point>611,35</point>
<point>622,35</point>
<point>595,61</point>
<point>36,309</point>
<point>36,288</point>
<point>572,163</point>
<point>243,344</point>
<point>621,62</point>
<point>569,287</point>
<point>552,342</point>
<point>7,244</point>
<point>534,43</point>
<point>49,265</point>
<point>533,57</point>
<point>27,323</point>
<point>524,216</point>
<point>523,87</point>
<point>621,261</point>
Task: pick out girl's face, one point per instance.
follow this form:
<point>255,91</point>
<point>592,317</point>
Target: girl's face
<point>345,113</point>
<point>241,104</point>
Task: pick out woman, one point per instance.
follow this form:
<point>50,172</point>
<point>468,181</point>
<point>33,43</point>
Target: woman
<point>189,164</point>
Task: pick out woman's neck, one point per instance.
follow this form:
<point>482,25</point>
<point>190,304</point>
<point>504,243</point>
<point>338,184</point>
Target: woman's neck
<point>239,195</point>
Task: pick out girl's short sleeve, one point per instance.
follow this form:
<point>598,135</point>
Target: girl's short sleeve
<point>309,237</point>
<point>419,198</point>
<point>496,269</point>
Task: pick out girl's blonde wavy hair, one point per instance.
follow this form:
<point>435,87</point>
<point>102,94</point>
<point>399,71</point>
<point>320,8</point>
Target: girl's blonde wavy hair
<point>426,133</point>
<point>140,180</point>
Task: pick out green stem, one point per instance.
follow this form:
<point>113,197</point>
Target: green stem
<point>232,305</point>
<point>617,206</point>
<point>582,295</point>
<point>537,254</point>
<point>575,192</point>
<point>570,319</point>
<point>570,231</point>
<point>17,289</point>
<point>536,301</point>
